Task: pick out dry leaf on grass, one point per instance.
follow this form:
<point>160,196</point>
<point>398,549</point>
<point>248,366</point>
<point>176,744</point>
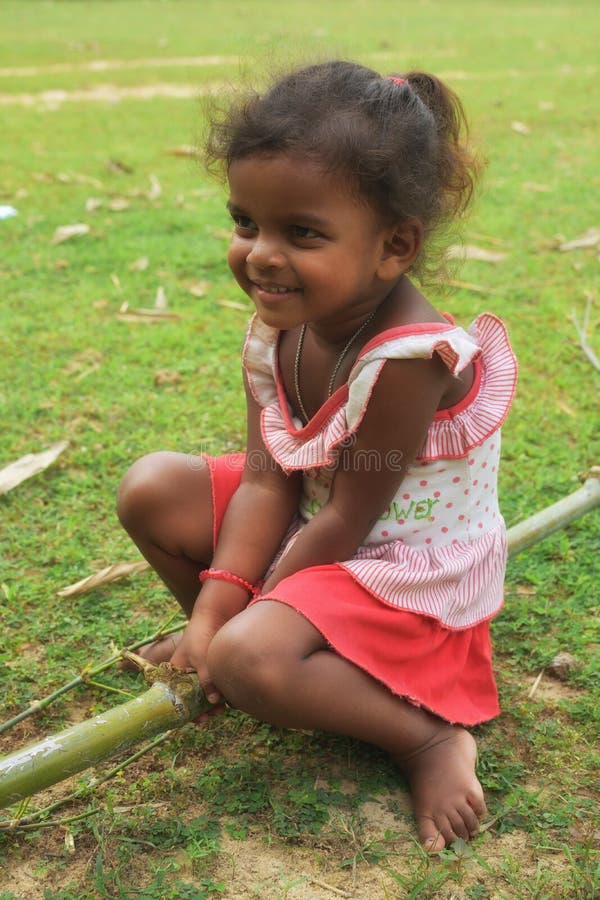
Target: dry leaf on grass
<point>42,177</point>
<point>118,204</point>
<point>69,840</point>
<point>526,590</point>
<point>85,372</point>
<point>564,407</point>
<point>167,376</point>
<point>93,203</point>
<point>520,127</point>
<point>77,178</point>
<point>29,465</point>
<point>184,150</point>
<point>589,238</point>
<point>117,166</point>
<point>155,188</point>
<point>104,576</point>
<point>145,315</point>
<point>480,254</point>
<point>67,232</point>
<point>84,364</point>
<point>139,265</point>
<point>199,288</point>
<point>160,303</point>
<point>582,330</point>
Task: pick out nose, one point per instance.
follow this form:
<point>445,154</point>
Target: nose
<point>265,253</point>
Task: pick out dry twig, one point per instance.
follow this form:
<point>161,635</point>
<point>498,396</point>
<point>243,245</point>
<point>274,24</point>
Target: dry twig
<point>105,576</point>
<point>582,333</point>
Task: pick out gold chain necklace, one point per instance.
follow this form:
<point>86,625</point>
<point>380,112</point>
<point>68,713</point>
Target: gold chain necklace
<point>336,368</point>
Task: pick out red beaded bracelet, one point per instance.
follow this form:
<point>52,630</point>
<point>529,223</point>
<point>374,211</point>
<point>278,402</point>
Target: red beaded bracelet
<point>225,575</point>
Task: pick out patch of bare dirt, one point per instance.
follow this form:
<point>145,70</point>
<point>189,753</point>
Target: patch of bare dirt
<point>259,868</point>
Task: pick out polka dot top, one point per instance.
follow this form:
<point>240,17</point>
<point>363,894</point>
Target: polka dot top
<point>440,547</point>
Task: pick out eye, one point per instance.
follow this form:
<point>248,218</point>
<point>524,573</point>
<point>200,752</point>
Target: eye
<point>244,223</point>
<point>304,233</point>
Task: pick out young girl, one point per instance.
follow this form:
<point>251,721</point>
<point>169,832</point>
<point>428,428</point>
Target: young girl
<point>350,562</point>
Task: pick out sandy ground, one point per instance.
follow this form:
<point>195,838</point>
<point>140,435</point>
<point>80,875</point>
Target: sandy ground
<point>37,866</point>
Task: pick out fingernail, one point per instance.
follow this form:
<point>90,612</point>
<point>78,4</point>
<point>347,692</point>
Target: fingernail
<point>213,698</point>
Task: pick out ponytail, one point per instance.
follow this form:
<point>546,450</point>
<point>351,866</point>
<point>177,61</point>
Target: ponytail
<point>459,166</point>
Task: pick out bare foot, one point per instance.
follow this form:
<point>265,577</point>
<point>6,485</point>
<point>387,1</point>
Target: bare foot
<point>447,796</point>
<point>156,652</point>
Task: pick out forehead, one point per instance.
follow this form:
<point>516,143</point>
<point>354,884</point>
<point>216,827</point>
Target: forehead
<point>288,184</point>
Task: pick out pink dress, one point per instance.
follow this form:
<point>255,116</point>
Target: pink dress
<point>412,606</point>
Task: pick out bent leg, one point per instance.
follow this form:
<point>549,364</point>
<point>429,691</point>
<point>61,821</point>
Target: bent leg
<point>165,504</point>
<point>272,663</point>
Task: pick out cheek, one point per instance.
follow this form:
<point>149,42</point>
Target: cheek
<point>232,257</point>
<point>236,258</point>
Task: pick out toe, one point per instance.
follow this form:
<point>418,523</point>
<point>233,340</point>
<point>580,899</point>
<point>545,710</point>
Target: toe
<point>464,820</point>
<point>471,818</point>
<point>458,826</point>
<point>477,804</point>
<point>431,834</point>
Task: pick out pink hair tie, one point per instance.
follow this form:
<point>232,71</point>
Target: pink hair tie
<point>396,80</point>
<point>225,575</point>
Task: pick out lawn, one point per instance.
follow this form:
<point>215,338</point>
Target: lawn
<point>101,102</point>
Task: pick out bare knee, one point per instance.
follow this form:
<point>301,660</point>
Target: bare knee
<point>246,668</point>
<point>140,490</point>
<point>165,490</point>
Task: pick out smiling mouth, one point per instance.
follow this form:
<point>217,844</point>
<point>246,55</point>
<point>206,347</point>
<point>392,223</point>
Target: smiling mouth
<point>274,288</point>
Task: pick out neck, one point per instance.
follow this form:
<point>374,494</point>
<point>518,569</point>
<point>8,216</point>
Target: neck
<point>333,335</point>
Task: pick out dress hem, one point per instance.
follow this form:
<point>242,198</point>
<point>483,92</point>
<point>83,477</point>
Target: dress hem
<point>400,694</point>
<point>419,612</point>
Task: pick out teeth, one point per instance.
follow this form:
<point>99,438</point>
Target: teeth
<point>274,289</point>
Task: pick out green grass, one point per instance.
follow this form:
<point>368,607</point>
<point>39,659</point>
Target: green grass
<point>183,822</point>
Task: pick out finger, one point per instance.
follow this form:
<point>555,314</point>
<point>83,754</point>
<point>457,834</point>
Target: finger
<point>213,711</point>
<point>210,690</point>
<point>179,659</point>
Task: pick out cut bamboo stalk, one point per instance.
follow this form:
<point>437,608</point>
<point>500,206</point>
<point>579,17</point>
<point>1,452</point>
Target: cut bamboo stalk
<point>38,705</point>
<point>557,516</point>
<point>176,698</point>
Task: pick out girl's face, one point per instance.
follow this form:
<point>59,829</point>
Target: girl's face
<point>303,248</point>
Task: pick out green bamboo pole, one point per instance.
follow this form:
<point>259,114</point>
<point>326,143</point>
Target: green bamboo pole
<point>551,519</point>
<point>84,677</point>
<point>174,699</point>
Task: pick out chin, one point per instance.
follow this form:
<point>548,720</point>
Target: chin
<point>279,318</point>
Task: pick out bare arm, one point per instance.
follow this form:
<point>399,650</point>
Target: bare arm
<point>402,406</point>
<point>253,527</point>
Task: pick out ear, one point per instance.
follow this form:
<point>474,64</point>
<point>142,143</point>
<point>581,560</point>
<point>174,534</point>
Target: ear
<point>402,243</point>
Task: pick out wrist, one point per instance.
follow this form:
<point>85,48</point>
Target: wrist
<point>219,601</point>
<point>231,578</point>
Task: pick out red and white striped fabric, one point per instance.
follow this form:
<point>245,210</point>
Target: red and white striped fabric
<point>439,549</point>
